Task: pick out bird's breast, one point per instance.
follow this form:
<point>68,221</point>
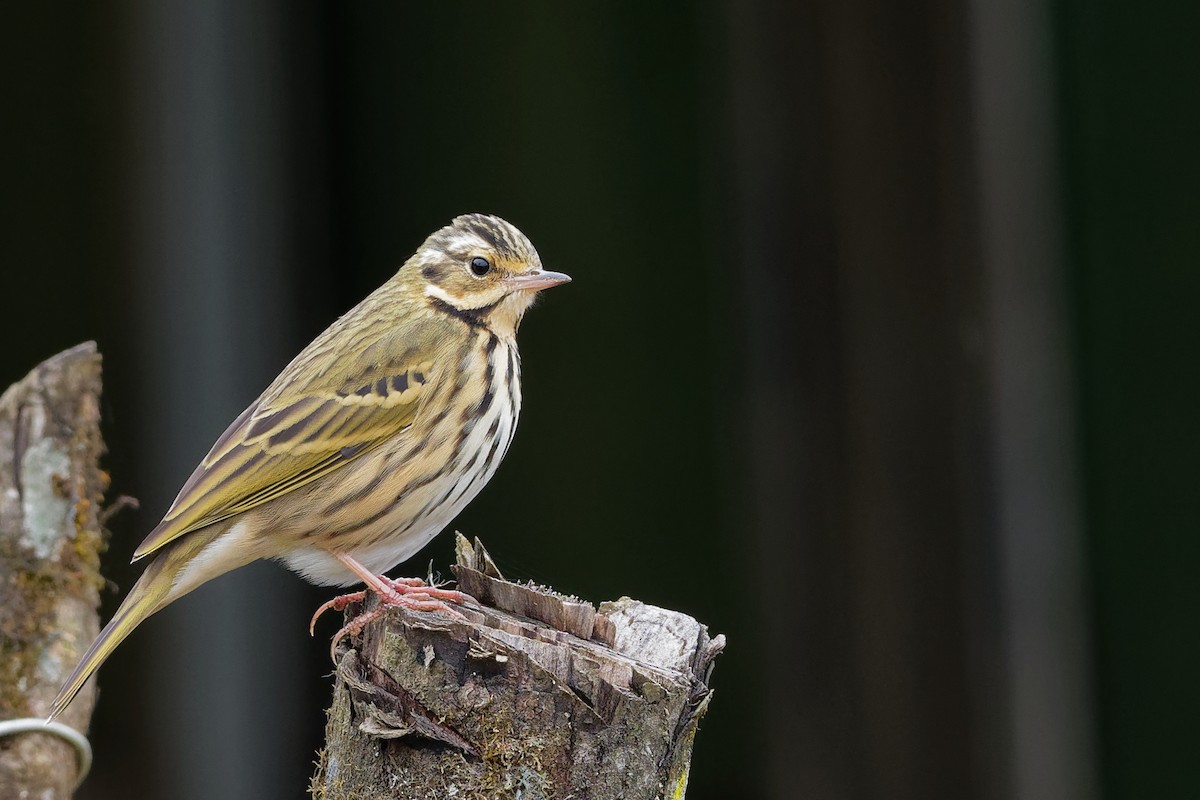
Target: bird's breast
<point>387,504</point>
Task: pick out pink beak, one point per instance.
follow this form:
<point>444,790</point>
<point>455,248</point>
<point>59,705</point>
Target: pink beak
<point>538,279</point>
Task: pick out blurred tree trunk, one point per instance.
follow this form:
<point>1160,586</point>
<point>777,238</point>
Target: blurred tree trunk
<point>51,490</point>
<point>854,171</point>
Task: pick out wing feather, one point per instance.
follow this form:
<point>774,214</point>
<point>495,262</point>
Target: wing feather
<point>283,442</point>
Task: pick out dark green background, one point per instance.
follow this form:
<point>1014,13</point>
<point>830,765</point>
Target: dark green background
<point>1130,127</point>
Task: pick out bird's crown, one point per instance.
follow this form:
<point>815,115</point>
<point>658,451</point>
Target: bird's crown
<point>470,233</point>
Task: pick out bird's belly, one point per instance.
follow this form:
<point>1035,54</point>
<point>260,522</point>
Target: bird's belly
<point>406,511</point>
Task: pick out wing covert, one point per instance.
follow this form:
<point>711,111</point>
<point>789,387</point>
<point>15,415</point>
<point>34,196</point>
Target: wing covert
<point>284,442</point>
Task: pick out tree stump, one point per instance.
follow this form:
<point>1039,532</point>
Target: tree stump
<point>533,695</point>
<point>51,490</point>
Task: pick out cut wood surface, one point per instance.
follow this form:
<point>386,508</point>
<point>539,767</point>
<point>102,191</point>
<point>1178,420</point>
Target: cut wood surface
<point>532,695</point>
<point>51,490</point>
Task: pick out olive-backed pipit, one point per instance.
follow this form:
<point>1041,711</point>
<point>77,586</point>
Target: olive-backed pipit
<point>368,444</point>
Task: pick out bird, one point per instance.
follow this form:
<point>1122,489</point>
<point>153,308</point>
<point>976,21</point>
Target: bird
<point>366,445</point>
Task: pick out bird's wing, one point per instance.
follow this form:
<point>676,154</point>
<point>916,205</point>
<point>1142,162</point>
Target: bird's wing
<point>292,437</point>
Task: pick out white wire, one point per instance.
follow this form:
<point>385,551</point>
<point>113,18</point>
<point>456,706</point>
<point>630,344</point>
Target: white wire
<point>83,748</point>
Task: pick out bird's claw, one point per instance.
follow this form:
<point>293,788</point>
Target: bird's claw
<point>412,594</point>
<point>338,603</point>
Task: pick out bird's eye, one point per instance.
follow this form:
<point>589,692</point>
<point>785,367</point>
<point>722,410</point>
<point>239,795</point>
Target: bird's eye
<point>480,266</point>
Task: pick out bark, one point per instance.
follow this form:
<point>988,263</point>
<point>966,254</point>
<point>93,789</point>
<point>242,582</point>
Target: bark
<point>534,695</point>
<point>51,490</point>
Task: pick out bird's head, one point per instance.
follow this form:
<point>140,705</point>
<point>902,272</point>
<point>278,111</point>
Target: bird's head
<point>481,269</point>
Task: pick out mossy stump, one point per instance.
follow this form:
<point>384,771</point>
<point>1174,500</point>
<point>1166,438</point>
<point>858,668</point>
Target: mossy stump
<point>534,695</point>
<point>51,491</point>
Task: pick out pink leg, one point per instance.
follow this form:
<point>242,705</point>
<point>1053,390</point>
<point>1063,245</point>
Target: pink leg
<point>338,603</point>
<point>410,593</point>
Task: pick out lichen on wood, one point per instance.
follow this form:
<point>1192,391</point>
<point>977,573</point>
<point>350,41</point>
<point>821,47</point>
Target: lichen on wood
<point>532,695</point>
<point>51,491</point>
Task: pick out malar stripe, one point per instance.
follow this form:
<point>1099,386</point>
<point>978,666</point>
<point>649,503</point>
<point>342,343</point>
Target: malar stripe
<point>475,317</point>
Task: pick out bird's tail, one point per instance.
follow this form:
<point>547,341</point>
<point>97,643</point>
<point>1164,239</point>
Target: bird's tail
<point>150,593</point>
<point>158,587</point>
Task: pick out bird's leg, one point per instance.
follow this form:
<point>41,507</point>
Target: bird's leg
<point>410,593</point>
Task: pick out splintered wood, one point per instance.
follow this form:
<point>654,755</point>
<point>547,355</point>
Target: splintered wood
<point>533,695</point>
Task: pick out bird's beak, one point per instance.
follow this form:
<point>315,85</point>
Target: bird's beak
<point>538,279</point>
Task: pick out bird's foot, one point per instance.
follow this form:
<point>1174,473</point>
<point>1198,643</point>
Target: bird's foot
<point>338,603</point>
<point>420,591</point>
<point>409,593</point>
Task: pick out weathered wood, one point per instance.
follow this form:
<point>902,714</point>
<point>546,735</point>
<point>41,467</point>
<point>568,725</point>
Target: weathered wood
<point>533,695</point>
<point>51,490</point>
